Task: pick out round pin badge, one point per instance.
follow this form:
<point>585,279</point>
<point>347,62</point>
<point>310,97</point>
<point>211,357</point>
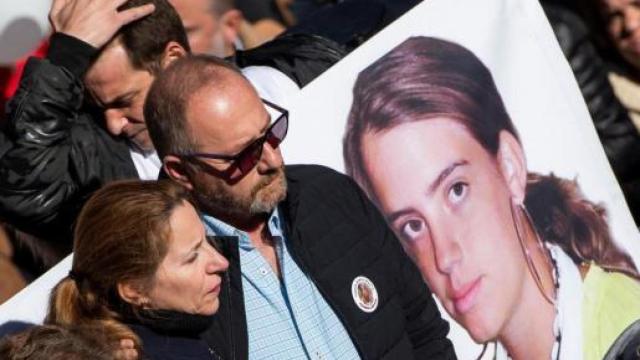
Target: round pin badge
<point>364,294</point>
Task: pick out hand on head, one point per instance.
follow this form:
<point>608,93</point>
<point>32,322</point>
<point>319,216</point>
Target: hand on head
<point>94,22</point>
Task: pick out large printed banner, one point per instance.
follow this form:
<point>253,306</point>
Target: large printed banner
<point>463,123</point>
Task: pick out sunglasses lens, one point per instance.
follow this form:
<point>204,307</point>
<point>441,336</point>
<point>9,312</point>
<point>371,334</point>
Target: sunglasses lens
<point>250,157</point>
<point>278,132</point>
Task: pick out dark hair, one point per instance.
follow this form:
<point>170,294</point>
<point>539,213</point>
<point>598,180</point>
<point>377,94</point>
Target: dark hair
<point>166,103</point>
<point>122,234</point>
<point>52,342</point>
<point>146,39</point>
<point>425,78</point>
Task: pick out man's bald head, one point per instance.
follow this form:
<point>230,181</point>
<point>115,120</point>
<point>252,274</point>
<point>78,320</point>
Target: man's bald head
<point>168,99</point>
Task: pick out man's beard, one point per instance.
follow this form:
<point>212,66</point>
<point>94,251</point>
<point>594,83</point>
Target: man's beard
<point>216,199</point>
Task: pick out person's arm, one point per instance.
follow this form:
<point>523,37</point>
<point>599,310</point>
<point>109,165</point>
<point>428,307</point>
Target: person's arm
<point>52,158</point>
<point>36,176</point>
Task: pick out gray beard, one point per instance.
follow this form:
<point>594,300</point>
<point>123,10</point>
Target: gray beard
<point>264,203</point>
<point>264,197</point>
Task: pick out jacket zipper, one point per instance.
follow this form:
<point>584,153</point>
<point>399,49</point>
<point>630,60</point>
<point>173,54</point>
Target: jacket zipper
<point>227,279</point>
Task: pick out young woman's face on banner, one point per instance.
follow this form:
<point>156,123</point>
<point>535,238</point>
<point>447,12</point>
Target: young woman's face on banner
<point>448,201</point>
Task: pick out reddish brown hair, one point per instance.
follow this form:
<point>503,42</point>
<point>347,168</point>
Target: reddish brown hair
<point>122,234</point>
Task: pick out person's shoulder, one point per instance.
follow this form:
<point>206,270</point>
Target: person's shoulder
<point>600,284</point>
<point>320,183</point>
<point>610,305</point>
<point>311,175</point>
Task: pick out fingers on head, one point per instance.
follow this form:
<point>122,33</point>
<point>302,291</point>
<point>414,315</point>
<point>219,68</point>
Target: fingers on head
<point>133,14</point>
<point>56,6</point>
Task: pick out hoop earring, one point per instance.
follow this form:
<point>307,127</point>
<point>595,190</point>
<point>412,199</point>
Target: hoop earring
<point>484,350</point>
<point>532,267</point>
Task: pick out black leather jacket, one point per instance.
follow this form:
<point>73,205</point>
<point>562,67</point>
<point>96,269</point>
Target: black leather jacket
<point>617,133</point>
<point>59,152</point>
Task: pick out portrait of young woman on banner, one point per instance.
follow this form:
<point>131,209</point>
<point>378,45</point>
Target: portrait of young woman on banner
<point>508,252</point>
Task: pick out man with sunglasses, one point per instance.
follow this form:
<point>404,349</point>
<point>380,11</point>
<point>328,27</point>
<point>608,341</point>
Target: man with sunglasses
<point>314,270</point>
<point>76,122</point>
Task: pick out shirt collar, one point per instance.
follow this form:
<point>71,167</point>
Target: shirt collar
<point>218,227</point>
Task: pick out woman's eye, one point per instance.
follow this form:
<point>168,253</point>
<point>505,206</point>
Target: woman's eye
<point>193,257</point>
<point>412,229</point>
<point>457,192</point>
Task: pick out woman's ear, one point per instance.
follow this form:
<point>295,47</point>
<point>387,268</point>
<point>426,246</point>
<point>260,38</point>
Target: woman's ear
<point>513,165</point>
<point>176,170</point>
<point>131,293</point>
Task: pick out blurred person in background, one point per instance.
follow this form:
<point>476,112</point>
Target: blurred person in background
<point>217,27</point>
<point>620,20</point>
<point>617,133</point>
<point>61,149</point>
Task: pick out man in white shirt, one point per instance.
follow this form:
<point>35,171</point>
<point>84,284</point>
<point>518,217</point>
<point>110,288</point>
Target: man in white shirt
<point>61,149</point>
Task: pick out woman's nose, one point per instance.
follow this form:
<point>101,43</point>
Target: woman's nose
<point>446,249</point>
<point>217,262</point>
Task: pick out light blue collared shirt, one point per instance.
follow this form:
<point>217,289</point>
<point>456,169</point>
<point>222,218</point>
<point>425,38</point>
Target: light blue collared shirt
<point>286,319</point>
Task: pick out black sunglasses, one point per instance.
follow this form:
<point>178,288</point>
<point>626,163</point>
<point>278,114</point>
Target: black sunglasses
<point>248,157</point>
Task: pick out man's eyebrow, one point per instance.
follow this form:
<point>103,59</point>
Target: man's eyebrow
<point>432,187</point>
<point>119,99</point>
<point>263,130</point>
